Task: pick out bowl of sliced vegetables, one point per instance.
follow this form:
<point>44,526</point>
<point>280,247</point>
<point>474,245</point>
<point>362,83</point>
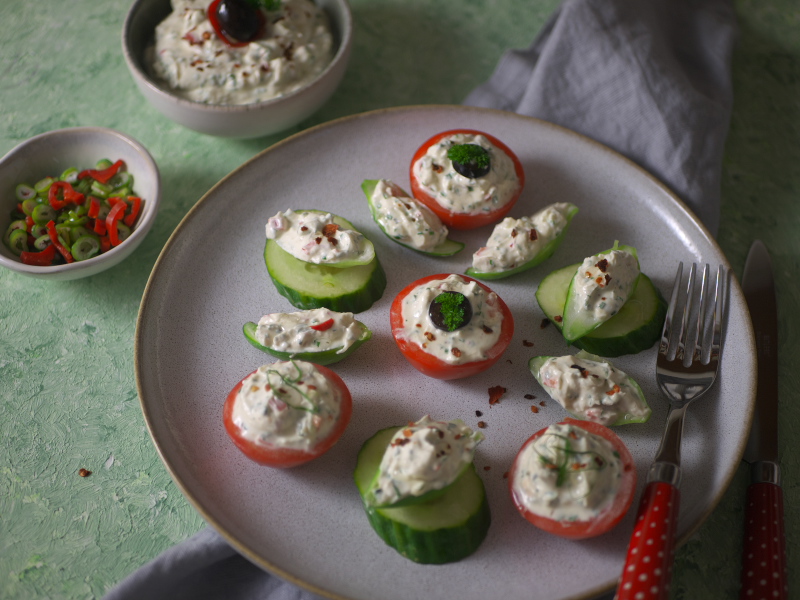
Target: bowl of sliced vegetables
<point>75,202</point>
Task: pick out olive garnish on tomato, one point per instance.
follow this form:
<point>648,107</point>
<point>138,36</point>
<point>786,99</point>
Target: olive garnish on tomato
<point>237,22</point>
<point>470,160</point>
<point>450,311</point>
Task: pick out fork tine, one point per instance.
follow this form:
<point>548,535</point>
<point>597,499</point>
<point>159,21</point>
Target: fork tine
<point>687,309</point>
<point>666,332</point>
<point>720,300</point>
<point>700,329</point>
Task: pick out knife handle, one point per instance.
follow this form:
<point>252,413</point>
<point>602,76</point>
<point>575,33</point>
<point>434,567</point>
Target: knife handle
<point>648,566</point>
<point>764,555</point>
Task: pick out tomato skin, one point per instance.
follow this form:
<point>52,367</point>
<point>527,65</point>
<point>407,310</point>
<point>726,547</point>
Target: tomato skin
<point>430,365</point>
<point>464,221</point>
<point>612,515</point>
<point>281,458</point>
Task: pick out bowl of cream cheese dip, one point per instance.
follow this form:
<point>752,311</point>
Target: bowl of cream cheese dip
<point>237,68</point>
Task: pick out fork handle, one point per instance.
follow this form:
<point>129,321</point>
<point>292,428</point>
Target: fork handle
<point>648,566</point>
<point>764,555</point>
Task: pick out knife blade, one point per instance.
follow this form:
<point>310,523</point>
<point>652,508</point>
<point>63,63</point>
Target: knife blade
<point>764,553</point>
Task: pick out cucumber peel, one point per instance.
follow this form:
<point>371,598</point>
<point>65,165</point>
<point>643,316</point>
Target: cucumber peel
<point>444,529</point>
<point>541,256</point>
<point>636,327</point>
<point>447,247</point>
<point>320,357</point>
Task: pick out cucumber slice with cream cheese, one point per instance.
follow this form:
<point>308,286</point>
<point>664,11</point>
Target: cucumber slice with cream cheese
<point>444,529</point>
<point>636,327</point>
<point>320,357</point>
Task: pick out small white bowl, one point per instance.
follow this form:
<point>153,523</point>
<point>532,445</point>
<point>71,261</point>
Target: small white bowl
<point>235,121</point>
<point>79,147</point>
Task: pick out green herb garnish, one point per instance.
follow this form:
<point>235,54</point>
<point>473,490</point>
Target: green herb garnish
<point>451,307</point>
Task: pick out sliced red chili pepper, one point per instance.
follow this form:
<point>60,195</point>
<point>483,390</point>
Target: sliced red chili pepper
<point>51,230</point>
<point>68,195</point>
<point>100,227</point>
<point>39,259</point>
<point>324,326</point>
<point>113,200</point>
<point>29,223</point>
<point>94,207</point>
<point>105,243</point>
<point>114,215</point>
<point>103,175</point>
<point>136,206</point>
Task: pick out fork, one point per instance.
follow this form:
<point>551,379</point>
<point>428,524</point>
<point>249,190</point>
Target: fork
<point>686,368</point>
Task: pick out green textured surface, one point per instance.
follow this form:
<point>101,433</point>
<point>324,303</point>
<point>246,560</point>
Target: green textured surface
<point>67,392</point>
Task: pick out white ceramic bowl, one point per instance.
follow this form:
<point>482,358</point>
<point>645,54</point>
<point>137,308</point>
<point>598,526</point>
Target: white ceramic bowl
<point>245,121</point>
<point>80,147</point>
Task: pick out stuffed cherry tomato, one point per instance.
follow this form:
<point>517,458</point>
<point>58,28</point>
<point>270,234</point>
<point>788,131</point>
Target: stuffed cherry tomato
<point>575,479</point>
<point>450,326</point>
<point>287,413</point>
<point>467,177</point>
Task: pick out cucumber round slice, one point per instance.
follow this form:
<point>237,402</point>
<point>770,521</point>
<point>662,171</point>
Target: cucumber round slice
<point>636,327</point>
<point>320,357</point>
<point>446,248</point>
<point>577,321</point>
<point>445,529</point>
<point>545,253</point>
<point>306,285</point>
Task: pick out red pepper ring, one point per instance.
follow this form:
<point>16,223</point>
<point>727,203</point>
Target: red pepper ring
<point>69,195</point>
<point>51,231</point>
<point>136,205</point>
<point>43,258</point>
<point>102,175</point>
<point>114,216</point>
<point>324,326</point>
<point>94,208</point>
<point>212,18</point>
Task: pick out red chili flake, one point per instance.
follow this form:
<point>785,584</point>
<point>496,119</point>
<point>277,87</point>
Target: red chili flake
<point>558,318</point>
<point>602,265</point>
<point>487,329</point>
<point>505,475</point>
<point>608,279</point>
<point>418,325</point>
<point>487,468</point>
<point>324,326</point>
<point>478,413</point>
<point>318,240</point>
<point>440,433</point>
<point>572,435</point>
<point>533,235</point>
<point>534,409</point>
<point>437,168</point>
<point>429,336</point>
<point>482,424</point>
<point>84,472</point>
<point>513,233</point>
<point>544,323</point>
<point>408,432</point>
<point>527,344</point>
<point>598,461</point>
<point>612,391</point>
<point>330,229</point>
<point>456,352</point>
<point>542,403</point>
<point>304,228</point>
<point>529,396</point>
<point>312,387</point>
<point>578,466</point>
<point>400,442</point>
<point>599,280</point>
<point>495,393</point>
<point>584,372</point>
<point>332,241</point>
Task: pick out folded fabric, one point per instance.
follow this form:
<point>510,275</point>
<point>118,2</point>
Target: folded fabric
<point>649,79</point>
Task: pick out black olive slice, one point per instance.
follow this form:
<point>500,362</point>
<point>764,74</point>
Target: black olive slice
<point>450,311</point>
<point>470,160</point>
<point>239,20</point>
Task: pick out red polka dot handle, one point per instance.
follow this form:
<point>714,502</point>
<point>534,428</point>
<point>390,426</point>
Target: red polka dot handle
<point>648,566</point>
<point>764,557</point>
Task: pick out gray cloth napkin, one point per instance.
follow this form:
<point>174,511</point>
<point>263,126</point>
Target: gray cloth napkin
<point>648,78</point>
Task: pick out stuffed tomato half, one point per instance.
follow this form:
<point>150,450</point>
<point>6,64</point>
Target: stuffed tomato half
<point>287,413</point>
<point>450,326</point>
<point>575,479</point>
<point>466,177</point>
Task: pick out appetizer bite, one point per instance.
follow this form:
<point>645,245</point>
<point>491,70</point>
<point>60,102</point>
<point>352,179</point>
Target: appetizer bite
<point>591,388</point>
<point>517,245</point>
<point>450,326</point>
<point>467,177</point>
<point>73,217</point>
<point>574,479</point>
<point>287,413</point>
<point>421,492</point>
<point>241,51</point>
<point>635,327</point>
<point>407,221</point>
<point>317,259</point>
<point>319,335</point>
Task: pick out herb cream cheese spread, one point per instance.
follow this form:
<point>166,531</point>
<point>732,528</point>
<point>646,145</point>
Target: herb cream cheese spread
<point>296,47</point>
<point>314,330</point>
<point>466,344</point>
<point>465,195</point>
<point>287,404</point>
<point>314,237</point>
<point>405,219</point>
<point>604,282</point>
<point>593,389</point>
<point>514,242</point>
<point>424,456</point>
<point>567,474</point>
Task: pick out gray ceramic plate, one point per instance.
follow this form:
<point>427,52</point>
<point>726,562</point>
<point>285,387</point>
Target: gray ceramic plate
<point>307,524</point>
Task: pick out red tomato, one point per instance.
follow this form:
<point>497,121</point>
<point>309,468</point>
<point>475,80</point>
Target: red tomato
<point>609,517</point>
<point>465,220</point>
<point>428,364</point>
<point>274,456</point>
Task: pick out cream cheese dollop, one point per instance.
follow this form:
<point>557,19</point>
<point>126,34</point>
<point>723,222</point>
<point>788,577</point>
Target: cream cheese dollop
<point>604,282</point>
<point>295,332</point>
<point>405,219</point>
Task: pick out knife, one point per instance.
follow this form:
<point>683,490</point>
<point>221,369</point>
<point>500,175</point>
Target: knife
<point>764,553</point>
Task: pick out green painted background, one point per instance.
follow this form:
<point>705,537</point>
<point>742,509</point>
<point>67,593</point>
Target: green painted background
<point>67,392</point>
